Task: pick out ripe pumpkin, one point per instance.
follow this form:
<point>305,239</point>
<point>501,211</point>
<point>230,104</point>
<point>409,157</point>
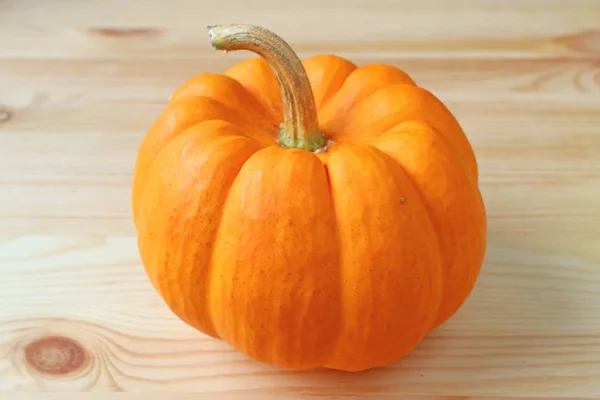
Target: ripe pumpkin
<point>311,214</point>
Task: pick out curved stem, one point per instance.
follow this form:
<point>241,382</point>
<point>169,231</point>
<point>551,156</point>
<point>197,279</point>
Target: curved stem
<point>300,127</point>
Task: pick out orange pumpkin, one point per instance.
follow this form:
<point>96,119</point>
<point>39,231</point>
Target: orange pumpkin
<point>308,213</point>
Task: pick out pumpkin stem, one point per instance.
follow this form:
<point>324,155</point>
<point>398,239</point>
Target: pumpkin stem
<point>300,127</point>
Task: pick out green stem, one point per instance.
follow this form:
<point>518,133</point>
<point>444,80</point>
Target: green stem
<point>300,127</point>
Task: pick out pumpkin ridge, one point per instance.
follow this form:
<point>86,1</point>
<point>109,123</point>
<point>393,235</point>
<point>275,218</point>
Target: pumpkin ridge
<point>340,310</point>
<point>429,212</point>
<point>447,143</point>
<point>296,315</point>
<point>389,288</point>
<point>158,137</point>
<point>450,263</point>
<point>245,125</point>
<point>270,111</point>
<point>169,125</point>
<point>432,220</point>
<point>358,86</point>
<point>469,155</point>
<point>408,102</point>
<point>143,169</point>
<point>212,86</point>
<point>210,304</point>
<point>397,119</point>
<point>347,133</point>
<point>420,95</point>
<point>218,216</point>
<point>210,278</point>
<point>234,117</point>
<point>332,93</point>
<point>269,100</point>
<point>180,276</point>
<point>313,65</point>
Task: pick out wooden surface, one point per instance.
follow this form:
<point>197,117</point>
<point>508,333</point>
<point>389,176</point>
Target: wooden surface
<point>81,81</point>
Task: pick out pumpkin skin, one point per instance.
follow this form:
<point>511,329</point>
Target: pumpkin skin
<point>343,258</point>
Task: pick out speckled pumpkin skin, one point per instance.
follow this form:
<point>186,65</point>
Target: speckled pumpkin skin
<point>342,259</point>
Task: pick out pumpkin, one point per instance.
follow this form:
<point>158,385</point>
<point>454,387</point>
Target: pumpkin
<point>310,214</point>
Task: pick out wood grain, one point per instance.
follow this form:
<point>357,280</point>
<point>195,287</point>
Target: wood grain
<point>427,28</point>
<point>80,82</point>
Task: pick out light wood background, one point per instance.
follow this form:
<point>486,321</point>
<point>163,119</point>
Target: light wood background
<point>81,81</point>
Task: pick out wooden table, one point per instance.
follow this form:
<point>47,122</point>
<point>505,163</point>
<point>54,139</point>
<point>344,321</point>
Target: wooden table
<point>81,81</point>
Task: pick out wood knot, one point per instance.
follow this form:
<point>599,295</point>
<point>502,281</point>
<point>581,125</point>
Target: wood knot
<point>587,42</point>
<point>4,115</point>
<point>55,355</point>
<point>125,32</point>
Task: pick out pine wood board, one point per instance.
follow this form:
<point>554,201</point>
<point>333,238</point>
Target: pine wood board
<point>80,82</point>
